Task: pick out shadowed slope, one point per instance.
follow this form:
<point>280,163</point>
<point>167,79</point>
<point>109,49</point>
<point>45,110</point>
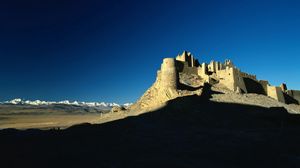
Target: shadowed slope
<point>188,132</point>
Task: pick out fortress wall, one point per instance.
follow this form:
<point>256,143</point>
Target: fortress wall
<point>192,61</point>
<point>228,63</point>
<point>202,72</point>
<point>236,80</point>
<point>294,94</point>
<point>191,70</point>
<point>283,87</point>
<point>253,86</point>
<point>168,74</point>
<point>188,58</point>
<point>226,78</point>
<point>231,79</point>
<point>212,66</point>
<point>185,68</point>
<point>180,58</point>
<point>265,85</point>
<point>276,93</point>
<point>239,81</point>
<point>222,66</point>
<point>218,66</point>
<point>246,75</point>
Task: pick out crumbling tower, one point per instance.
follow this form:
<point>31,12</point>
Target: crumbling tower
<point>283,87</point>
<point>169,74</point>
<point>188,58</point>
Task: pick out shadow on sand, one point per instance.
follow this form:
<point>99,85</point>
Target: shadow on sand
<point>188,132</point>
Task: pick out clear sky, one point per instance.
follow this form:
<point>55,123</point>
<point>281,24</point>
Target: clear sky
<point>94,50</point>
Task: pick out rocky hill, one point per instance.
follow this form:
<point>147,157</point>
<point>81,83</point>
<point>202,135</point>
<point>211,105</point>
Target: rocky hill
<point>184,76</point>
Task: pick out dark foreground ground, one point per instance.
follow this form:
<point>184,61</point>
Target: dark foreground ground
<point>188,132</point>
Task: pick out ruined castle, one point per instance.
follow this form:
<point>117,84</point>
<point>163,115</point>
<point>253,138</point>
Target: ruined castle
<point>184,75</point>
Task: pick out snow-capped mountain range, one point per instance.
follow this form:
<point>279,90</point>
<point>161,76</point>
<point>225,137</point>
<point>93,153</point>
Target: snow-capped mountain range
<point>19,101</point>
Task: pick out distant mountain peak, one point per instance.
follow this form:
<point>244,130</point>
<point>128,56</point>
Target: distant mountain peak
<point>19,101</point>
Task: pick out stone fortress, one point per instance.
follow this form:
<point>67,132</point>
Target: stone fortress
<point>184,75</point>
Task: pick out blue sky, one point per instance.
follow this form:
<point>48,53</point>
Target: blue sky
<point>110,51</point>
